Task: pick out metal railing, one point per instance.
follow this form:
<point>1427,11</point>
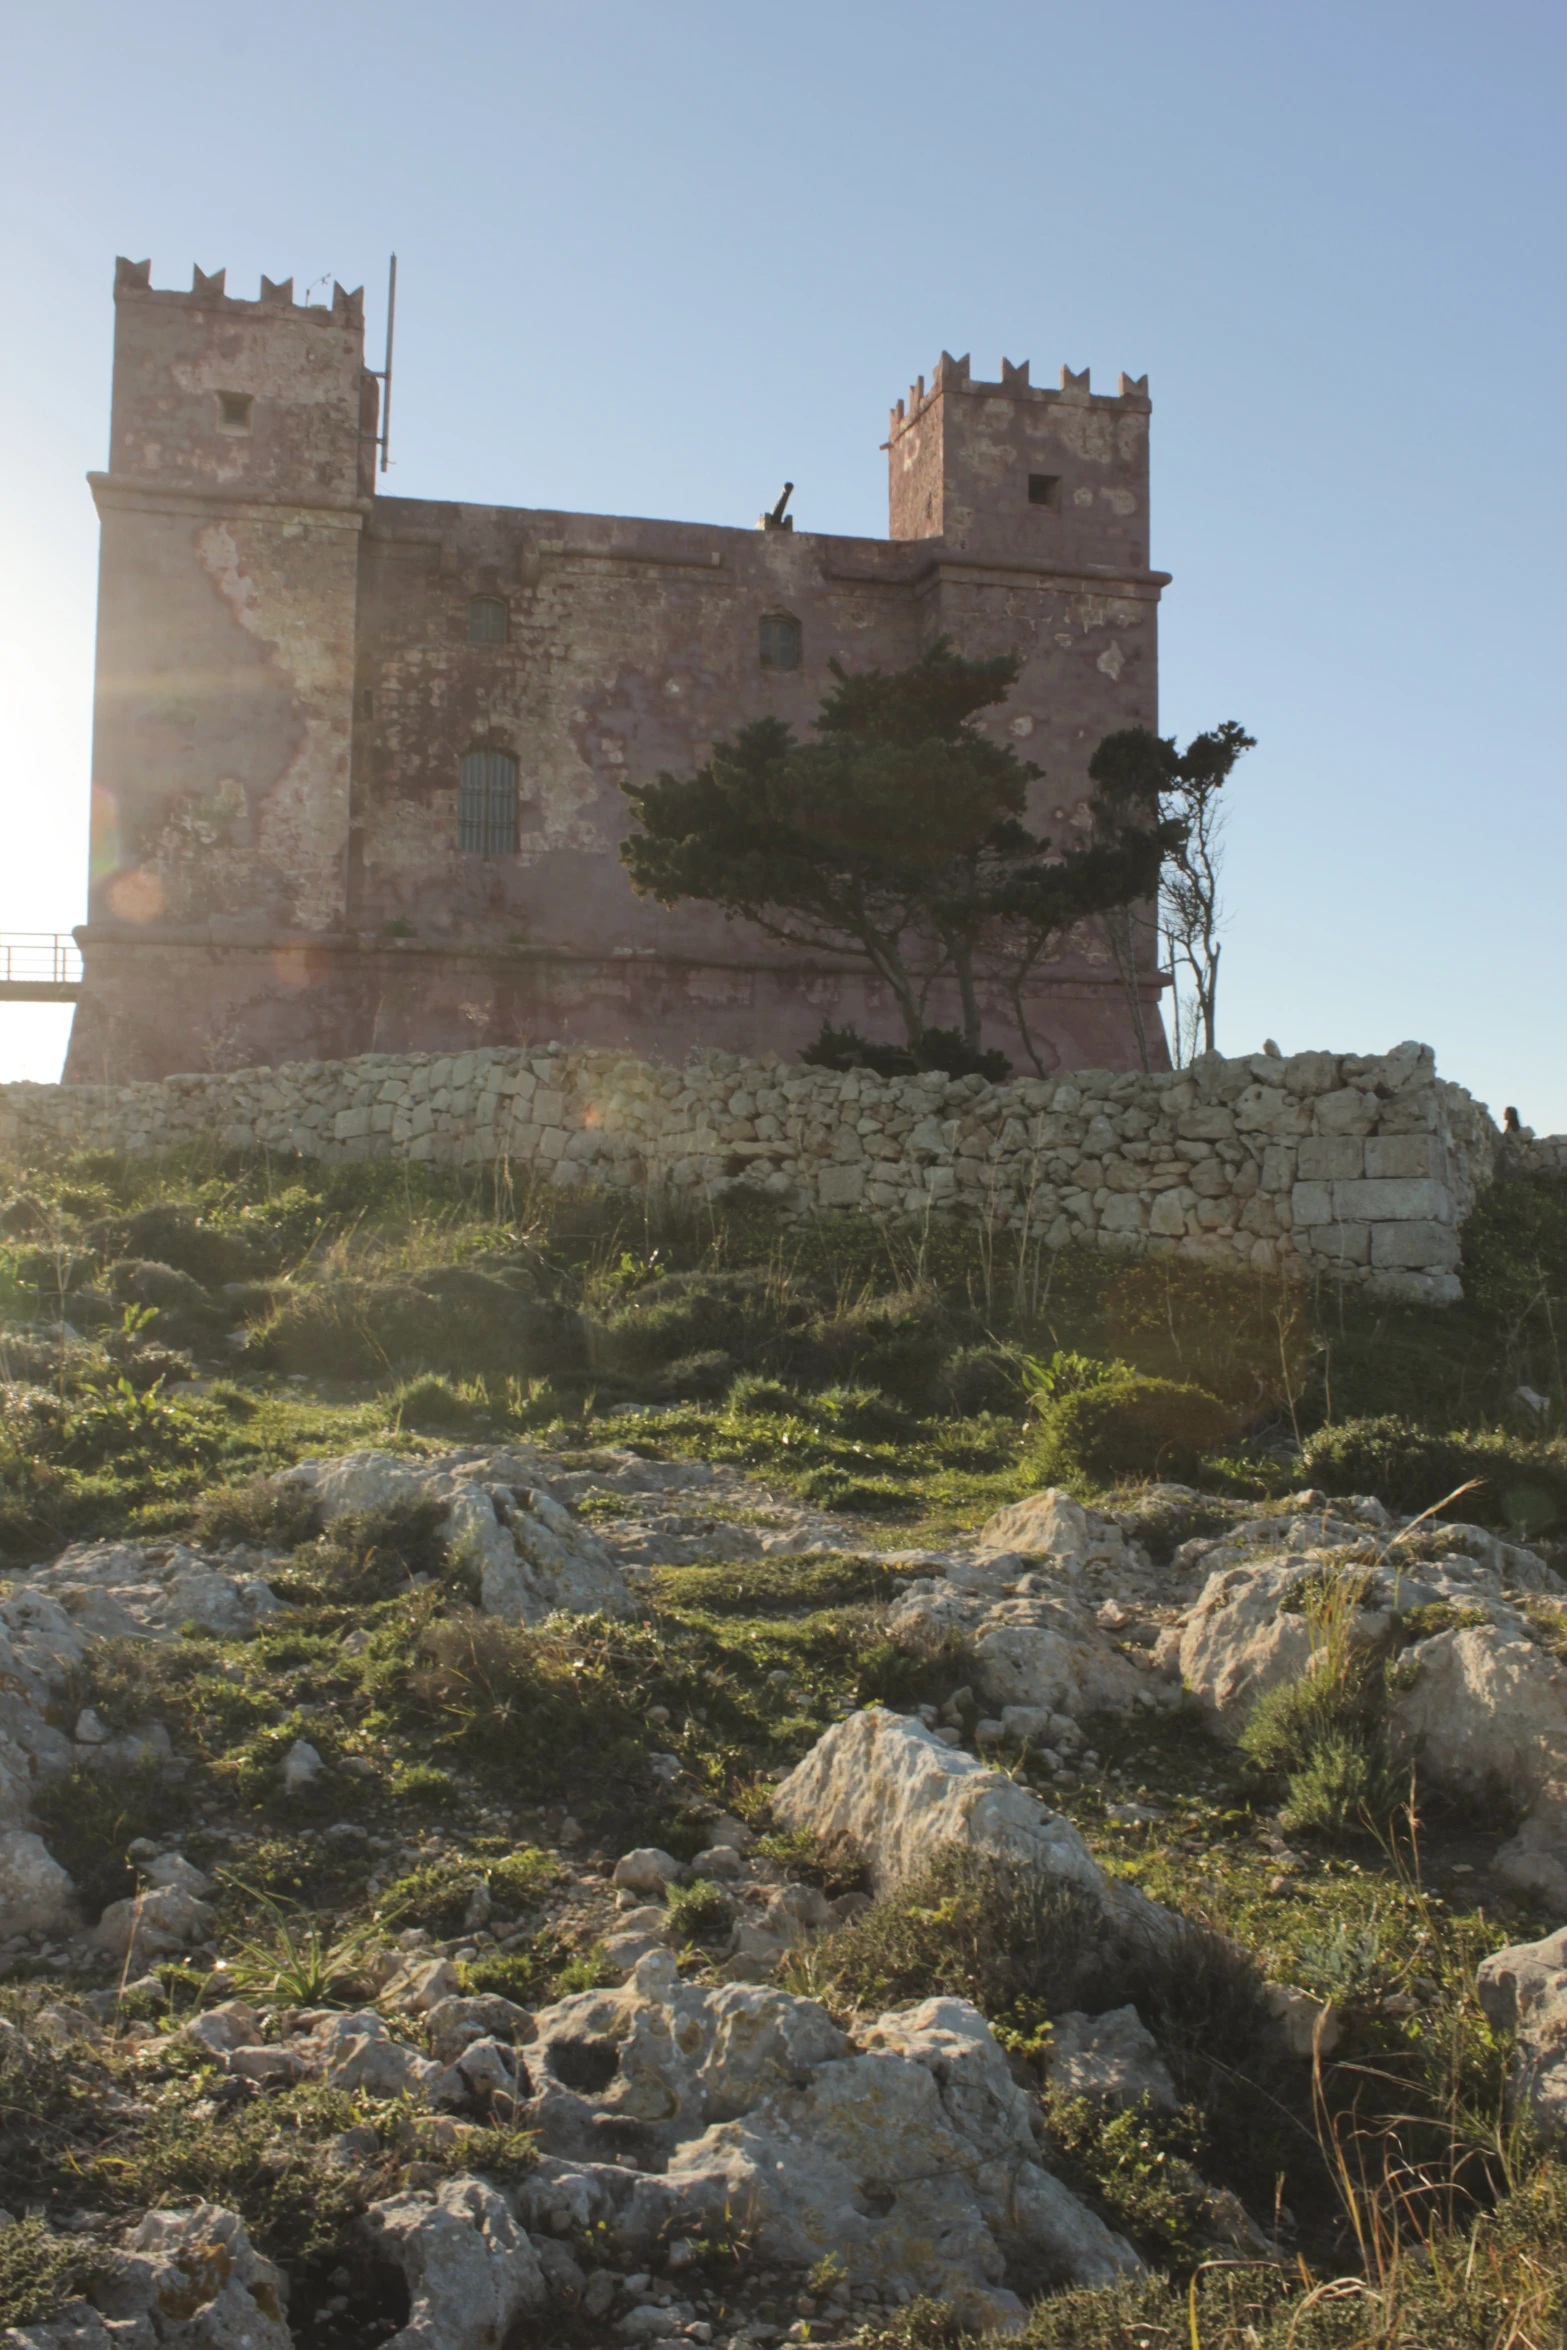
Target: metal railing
<point>39,966</point>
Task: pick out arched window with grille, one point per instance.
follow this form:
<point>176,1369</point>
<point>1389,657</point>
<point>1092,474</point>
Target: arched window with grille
<point>487,804</point>
<point>487,620</point>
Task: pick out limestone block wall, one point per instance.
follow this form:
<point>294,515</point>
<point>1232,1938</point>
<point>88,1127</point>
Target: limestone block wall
<point>1361,1167</point>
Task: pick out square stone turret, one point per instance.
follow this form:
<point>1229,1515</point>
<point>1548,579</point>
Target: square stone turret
<point>1011,473</point>
<point>214,393</point>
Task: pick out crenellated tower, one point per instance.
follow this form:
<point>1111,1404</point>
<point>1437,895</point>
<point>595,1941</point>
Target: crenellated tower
<point>1014,472</point>
<point>241,439</point>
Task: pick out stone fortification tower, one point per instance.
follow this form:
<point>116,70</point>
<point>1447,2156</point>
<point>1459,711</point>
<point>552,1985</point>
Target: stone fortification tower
<point>357,759</point>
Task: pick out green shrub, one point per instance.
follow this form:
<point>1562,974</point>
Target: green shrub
<point>182,1307</point>
<point>971,1926</point>
<point>684,1315</point>
<point>89,1817</point>
<point>888,1673</point>
<point>1523,1485</point>
<point>1128,1427</point>
<point>460,1319</point>
<point>1138,2165</point>
<point>38,2271</point>
<point>438,1894</point>
<point>898,1341</point>
<point>1515,1247</point>
<point>273,1516</point>
<point>701,1911</point>
<point>697,1378</point>
<point>367,1555</point>
<point>777,1586</point>
<point>1343,1783</point>
<point>833,1864</point>
<point>551,1710</point>
<point>866,1497</point>
<point>939,1048</point>
<point>434,1402</point>
<point>1495,2280</point>
<point>977,1379</point>
<point>172,1232</point>
<point>1325,1728</point>
<point>753,1393</point>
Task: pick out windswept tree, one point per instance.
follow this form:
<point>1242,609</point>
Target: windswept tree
<point>1141,777</point>
<point>896,837</point>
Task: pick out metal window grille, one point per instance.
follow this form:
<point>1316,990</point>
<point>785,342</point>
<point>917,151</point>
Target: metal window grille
<point>487,617</point>
<point>780,641</point>
<point>487,804</point>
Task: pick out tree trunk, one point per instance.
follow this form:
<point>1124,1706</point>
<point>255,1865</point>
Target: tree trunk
<point>1023,1029</point>
<point>1208,989</point>
<point>1123,946</point>
<point>963,967</point>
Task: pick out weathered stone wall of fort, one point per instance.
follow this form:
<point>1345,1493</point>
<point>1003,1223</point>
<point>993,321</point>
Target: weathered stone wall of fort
<point>359,761</point>
<point>1360,1167</point>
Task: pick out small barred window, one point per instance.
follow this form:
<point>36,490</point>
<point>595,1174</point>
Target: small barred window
<point>487,805</point>
<point>487,618</point>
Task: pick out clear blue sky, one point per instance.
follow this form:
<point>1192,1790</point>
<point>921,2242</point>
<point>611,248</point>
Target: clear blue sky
<point>654,259</point>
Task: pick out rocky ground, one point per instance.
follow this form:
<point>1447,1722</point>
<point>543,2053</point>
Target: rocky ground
<point>386,1982</point>
<point>579,1778</point>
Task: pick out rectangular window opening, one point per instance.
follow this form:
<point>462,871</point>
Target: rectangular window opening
<point>780,641</point>
<point>1044,489</point>
<point>234,411</point>
<point>487,805</point>
<point>488,617</point>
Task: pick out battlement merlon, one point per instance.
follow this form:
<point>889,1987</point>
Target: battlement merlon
<point>133,280</point>
<point>953,375</point>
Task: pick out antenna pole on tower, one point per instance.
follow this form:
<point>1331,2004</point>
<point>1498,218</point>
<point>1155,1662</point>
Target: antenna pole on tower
<point>384,374</point>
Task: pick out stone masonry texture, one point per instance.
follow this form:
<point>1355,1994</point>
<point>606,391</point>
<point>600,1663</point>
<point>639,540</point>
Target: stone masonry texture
<point>1361,1168</point>
<point>292,670</point>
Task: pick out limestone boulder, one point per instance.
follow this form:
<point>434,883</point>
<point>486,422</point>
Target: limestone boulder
<point>1523,1989</point>
<point>355,1481</point>
<point>150,1591</point>
<point>1030,1645</point>
<point>1535,1860</point>
<point>1483,1709</point>
<point>197,2278</point>
<point>39,1647</point>
<point>897,1795</point>
<point>358,2052</point>
<point>153,1924</point>
<point>671,2056</point>
<point>1244,1636</point>
<point>521,1551</point>
<point>648,1870</point>
<point>34,1890</point>
<point>455,2023</point>
<point>1059,1531</point>
<point>1113,2057</point>
<point>1476,1691</point>
<point>910,2156</point>
<point>472,2275</point>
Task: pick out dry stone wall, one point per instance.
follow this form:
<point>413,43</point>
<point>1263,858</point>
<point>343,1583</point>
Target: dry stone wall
<point>1360,1167</point>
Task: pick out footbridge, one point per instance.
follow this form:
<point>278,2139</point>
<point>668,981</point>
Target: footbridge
<point>39,967</point>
